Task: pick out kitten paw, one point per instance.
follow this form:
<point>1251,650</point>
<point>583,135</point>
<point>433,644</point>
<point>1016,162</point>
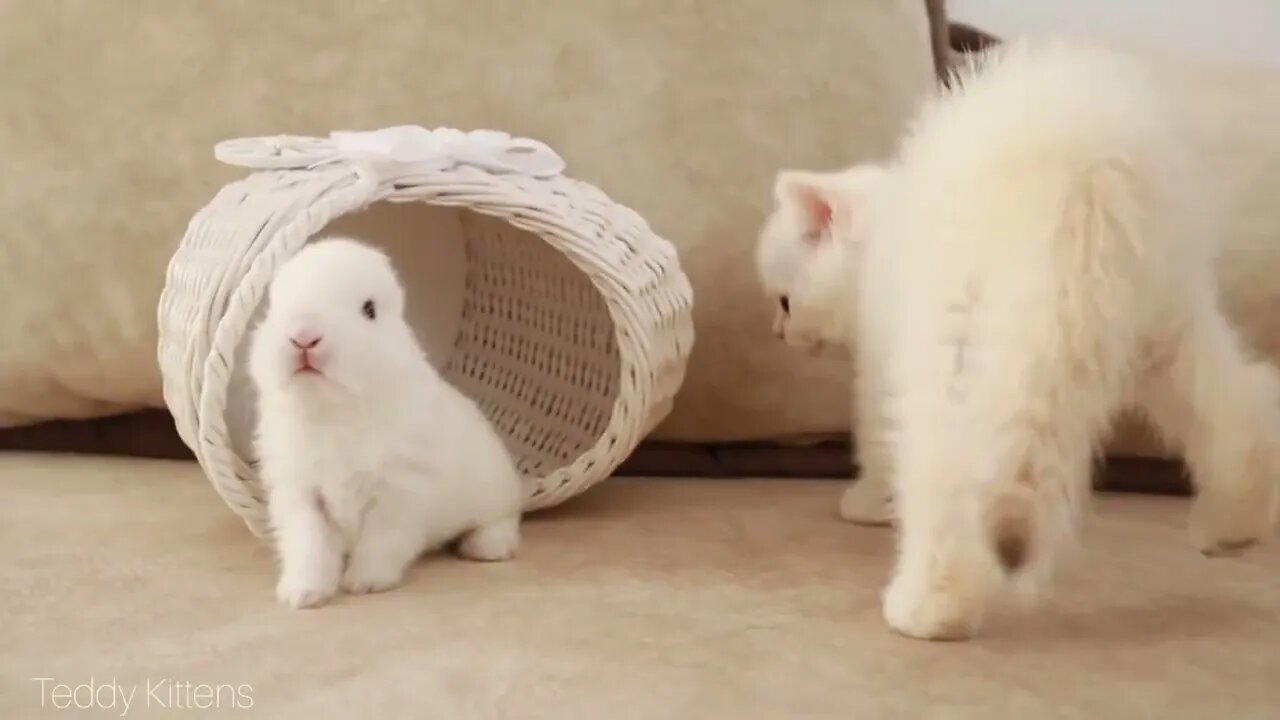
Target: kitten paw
<point>491,543</point>
<point>1226,527</point>
<point>926,613</point>
<point>364,579</point>
<point>302,593</point>
<point>867,502</point>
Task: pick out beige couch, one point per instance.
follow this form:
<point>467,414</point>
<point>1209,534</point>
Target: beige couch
<point>682,113</point>
<point>645,598</point>
<point>691,142</point>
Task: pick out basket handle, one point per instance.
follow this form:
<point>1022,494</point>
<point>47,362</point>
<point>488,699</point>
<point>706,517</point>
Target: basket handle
<point>399,151</point>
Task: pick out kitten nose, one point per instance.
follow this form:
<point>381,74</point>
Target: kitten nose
<point>305,339</point>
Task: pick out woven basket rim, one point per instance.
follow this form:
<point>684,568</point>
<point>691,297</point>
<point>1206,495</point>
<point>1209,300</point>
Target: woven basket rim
<point>227,470</point>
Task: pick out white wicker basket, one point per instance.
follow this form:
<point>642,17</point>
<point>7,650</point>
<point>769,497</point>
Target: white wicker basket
<point>555,308</point>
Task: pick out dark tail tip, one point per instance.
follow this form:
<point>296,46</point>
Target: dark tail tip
<point>1011,525</point>
<point>1013,552</point>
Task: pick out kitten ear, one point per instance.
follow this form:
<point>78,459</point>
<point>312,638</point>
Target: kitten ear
<point>823,197</point>
<point>811,193</point>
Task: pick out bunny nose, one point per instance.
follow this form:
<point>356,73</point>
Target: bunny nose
<point>305,339</point>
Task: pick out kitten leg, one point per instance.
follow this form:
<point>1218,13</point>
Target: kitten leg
<point>994,430</point>
<point>987,501</point>
<point>945,573</point>
<point>1224,412</point>
<point>391,539</point>
<point>309,547</point>
<point>496,541</point>
<point>869,499</point>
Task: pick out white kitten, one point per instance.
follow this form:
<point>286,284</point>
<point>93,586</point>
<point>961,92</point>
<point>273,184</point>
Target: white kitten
<point>811,262</point>
<point>366,452</point>
<point>1037,256</point>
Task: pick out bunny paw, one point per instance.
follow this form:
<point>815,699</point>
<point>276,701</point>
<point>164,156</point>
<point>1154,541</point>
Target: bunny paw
<point>491,543</point>
<point>361,579</point>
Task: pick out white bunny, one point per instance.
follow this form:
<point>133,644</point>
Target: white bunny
<point>365,450</point>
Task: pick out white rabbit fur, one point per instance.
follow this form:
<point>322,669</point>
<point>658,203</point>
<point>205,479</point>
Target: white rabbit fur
<point>375,457</point>
<point>1038,254</point>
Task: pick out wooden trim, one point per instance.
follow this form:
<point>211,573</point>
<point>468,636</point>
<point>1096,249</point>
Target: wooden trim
<point>151,434</point>
<point>964,38</point>
<point>833,460</point>
<point>939,36</point>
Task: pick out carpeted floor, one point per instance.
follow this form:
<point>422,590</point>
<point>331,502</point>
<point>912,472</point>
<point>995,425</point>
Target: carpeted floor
<point>643,599</point>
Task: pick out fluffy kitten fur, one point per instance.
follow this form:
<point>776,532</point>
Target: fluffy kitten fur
<point>368,455</point>
<point>1037,256</point>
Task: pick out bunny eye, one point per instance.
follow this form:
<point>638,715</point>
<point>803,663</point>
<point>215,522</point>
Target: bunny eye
<point>785,303</point>
<point>369,310</point>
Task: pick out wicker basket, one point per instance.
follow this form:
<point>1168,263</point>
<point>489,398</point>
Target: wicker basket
<point>555,308</point>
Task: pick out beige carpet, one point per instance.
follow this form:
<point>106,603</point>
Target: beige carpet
<point>645,599</point>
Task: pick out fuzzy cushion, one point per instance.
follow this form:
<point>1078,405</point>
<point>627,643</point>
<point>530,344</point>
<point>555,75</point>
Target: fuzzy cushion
<point>650,599</point>
<point>680,109</point>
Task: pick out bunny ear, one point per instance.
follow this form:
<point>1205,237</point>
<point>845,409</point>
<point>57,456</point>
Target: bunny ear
<point>811,193</point>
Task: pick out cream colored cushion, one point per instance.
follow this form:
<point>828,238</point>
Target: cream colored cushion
<point>682,110</point>
<point>648,600</point>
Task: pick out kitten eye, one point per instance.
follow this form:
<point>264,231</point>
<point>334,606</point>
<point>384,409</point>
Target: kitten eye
<point>785,302</point>
<point>369,310</point>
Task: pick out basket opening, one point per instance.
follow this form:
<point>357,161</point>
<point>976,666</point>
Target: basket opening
<point>507,318</point>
